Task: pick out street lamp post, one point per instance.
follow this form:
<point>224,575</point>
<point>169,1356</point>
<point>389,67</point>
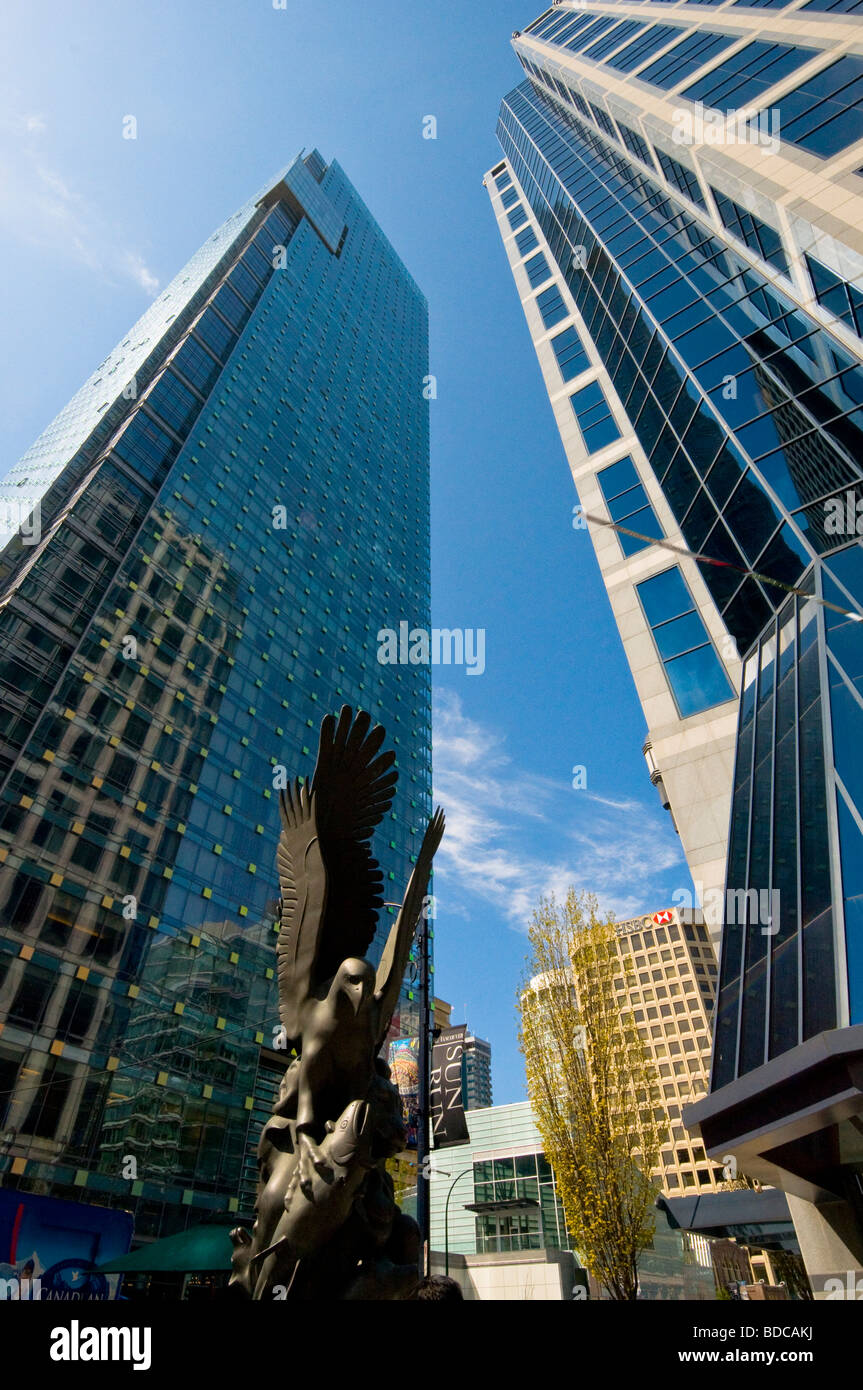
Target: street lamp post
<point>446,1216</point>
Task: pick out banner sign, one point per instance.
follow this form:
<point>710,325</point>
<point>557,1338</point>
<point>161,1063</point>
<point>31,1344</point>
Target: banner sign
<point>50,1248</point>
<point>404,1060</point>
<point>448,1122</point>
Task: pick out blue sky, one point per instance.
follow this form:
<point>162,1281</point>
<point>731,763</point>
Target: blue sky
<point>92,226</point>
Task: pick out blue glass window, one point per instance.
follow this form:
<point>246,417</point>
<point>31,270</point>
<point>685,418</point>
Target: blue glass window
<point>503,180</point>
<point>145,446</point>
<point>173,402</point>
<point>571,356</point>
<point>627,503</point>
<point>635,144</point>
<point>551,306</point>
<point>751,230</point>
<point>602,120</point>
<point>537,269</point>
<point>196,365</point>
<point>578,102</point>
<point>595,420</point>
<point>682,178</point>
<point>613,39</point>
<point>216,334</point>
<point>824,115</point>
<point>694,671</point>
<point>842,6</point>
<point>583,37</point>
<point>539,24</point>
<point>837,295</point>
<point>231,307</point>
<point>641,48</point>
<point>746,76</point>
<point>517,217</point>
<point>526,241</point>
<point>510,197</point>
<point>685,58</point>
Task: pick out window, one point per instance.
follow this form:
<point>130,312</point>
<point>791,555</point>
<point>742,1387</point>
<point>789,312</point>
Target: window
<point>517,218</point>
<point>537,269</point>
<point>682,178</point>
<point>627,503</point>
<point>581,37</point>
<point>551,306</point>
<point>635,144</point>
<point>627,29</point>
<point>571,356</point>
<point>639,49</point>
<point>746,76</point>
<point>216,334</point>
<point>693,669</point>
<point>751,230</point>
<point>685,58</point>
<point>196,365</point>
<point>603,121</point>
<point>595,420</point>
<point>173,402</point>
<point>145,446</point>
<point>510,197</point>
<point>526,241</point>
<point>824,115</point>
<point>833,293</point>
<point>503,180</point>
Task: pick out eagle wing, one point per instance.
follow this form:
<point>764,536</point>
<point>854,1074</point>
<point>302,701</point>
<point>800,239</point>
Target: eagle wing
<point>353,789</point>
<point>303,883</point>
<point>390,972</point>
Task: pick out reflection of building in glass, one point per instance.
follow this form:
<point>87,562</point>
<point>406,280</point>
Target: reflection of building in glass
<point>698,325</point>
<point>231,508</point>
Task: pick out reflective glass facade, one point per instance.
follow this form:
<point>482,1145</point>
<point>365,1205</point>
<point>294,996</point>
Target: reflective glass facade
<point>731,359</point>
<point>220,547</point>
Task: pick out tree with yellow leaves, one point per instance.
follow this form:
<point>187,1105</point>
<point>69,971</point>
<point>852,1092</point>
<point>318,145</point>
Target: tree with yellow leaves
<point>593,1087</point>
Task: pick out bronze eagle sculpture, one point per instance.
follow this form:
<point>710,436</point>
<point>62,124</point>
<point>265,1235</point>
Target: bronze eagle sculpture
<point>327,1225</point>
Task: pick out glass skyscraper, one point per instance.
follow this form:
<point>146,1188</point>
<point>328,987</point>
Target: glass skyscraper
<point>201,550</point>
<point>681,204</point>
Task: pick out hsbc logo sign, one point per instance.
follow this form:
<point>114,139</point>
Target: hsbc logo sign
<point>662,919</point>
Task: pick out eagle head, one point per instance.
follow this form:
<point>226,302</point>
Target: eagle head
<point>355,981</point>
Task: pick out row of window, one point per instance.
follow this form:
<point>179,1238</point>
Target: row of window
<point>755,233</point>
<point>823,115</point>
<point>601,196</point>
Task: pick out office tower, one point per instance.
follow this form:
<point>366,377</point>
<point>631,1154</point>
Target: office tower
<point>667,987</point>
<point>664,984</point>
<point>476,1072</point>
<point>680,202</point>
<point>441,1011</point>
<point>229,511</point>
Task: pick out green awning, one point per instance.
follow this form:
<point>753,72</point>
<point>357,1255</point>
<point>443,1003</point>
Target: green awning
<point>200,1250</point>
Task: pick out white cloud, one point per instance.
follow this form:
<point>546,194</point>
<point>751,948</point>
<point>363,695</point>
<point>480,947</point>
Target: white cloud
<point>41,208</point>
<point>140,272</point>
<point>513,837</point>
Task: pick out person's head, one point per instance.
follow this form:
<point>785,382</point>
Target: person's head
<point>439,1288</point>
